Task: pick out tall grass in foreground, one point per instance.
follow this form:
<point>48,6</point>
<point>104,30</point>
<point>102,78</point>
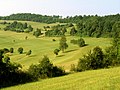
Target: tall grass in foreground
<point>103,79</point>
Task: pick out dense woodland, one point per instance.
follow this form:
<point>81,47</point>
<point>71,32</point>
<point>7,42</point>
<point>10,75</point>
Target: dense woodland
<point>18,27</point>
<point>92,26</point>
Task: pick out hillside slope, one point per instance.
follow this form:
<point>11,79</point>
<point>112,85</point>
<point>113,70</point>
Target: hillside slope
<point>104,79</point>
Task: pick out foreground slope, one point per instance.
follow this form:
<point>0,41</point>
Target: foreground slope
<point>104,79</point>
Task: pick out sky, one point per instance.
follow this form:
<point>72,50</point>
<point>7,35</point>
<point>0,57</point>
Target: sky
<point>60,7</point>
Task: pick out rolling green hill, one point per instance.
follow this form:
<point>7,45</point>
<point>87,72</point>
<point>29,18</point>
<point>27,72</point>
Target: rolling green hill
<point>45,46</point>
<point>104,79</point>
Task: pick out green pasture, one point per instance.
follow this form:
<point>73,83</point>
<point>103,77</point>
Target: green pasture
<point>45,46</point>
<point>104,79</point>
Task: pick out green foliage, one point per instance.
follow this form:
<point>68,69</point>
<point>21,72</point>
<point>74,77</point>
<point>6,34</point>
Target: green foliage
<point>45,69</point>
<point>63,45</point>
<point>53,40</point>
<point>7,59</point>
<point>11,73</point>
<point>80,42</point>
<point>32,17</point>
<point>30,29</point>
<point>6,50</point>
<point>73,31</point>
<point>92,26</point>
<point>18,27</point>
<point>93,60</point>
<point>70,25</point>
<point>113,52</point>
<point>58,30</point>
<point>56,51</point>
<point>25,26</point>
<point>11,50</point>
<point>20,50</point>
<point>37,33</point>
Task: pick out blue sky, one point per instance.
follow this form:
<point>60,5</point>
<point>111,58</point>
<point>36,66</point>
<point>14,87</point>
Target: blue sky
<point>60,7</point>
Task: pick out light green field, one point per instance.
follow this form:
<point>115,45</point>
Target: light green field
<point>104,79</point>
<point>35,25</point>
<point>45,46</point>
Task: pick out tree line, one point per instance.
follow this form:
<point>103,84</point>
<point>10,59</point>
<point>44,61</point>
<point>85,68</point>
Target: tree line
<point>32,17</point>
<point>18,27</point>
<point>91,25</point>
<point>12,73</point>
<point>97,59</point>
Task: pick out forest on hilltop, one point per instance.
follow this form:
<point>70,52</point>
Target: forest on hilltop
<point>91,25</point>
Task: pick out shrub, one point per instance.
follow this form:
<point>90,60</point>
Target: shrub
<point>6,50</point>
<point>56,51</point>
<point>45,69</point>
<point>93,60</point>
<point>7,59</point>
<point>81,42</point>
<point>11,50</point>
<point>53,40</point>
<point>20,50</point>
<point>37,33</point>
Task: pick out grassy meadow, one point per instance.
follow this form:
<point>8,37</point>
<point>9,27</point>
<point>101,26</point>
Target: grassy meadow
<point>104,79</point>
<point>45,46</point>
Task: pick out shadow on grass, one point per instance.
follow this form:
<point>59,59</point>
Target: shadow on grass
<point>86,44</point>
<point>60,55</point>
<point>32,55</point>
<point>70,50</point>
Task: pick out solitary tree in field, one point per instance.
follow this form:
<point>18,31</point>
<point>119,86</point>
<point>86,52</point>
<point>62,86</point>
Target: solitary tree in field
<point>20,50</point>
<point>81,42</point>
<point>63,44</point>
<point>56,51</point>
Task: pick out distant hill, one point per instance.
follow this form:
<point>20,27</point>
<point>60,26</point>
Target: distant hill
<point>87,25</point>
<point>56,18</point>
<point>32,17</point>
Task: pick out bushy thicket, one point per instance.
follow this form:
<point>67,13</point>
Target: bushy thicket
<point>80,42</point>
<point>97,59</point>
<point>93,60</point>
<point>20,50</point>
<point>32,17</point>
<point>19,27</point>
<point>37,33</point>
<point>45,69</point>
<point>58,30</point>
<point>91,25</point>
<point>11,73</point>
